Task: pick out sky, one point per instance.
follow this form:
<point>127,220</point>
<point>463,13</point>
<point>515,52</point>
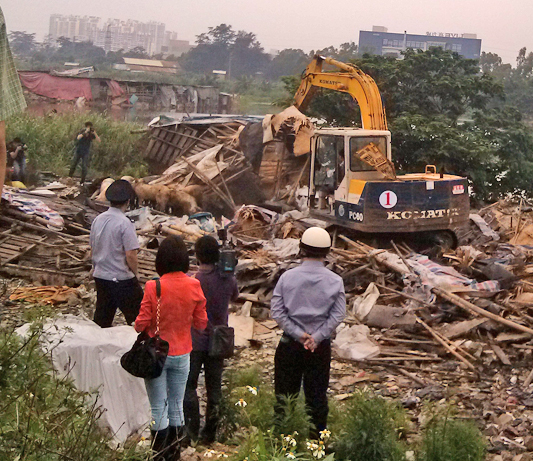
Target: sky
<point>503,26</point>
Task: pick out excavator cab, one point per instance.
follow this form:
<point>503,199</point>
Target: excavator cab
<point>335,161</point>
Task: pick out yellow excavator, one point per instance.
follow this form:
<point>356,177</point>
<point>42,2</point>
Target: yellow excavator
<point>352,180</point>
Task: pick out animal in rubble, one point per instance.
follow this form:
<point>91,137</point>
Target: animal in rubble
<point>151,194</point>
<point>165,198</point>
<point>182,203</point>
<point>100,195</point>
<point>197,192</point>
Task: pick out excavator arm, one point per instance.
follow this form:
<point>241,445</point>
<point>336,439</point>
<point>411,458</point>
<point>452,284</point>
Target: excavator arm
<point>349,80</point>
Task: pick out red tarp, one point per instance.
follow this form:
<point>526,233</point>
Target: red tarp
<point>56,87</point>
<point>115,88</point>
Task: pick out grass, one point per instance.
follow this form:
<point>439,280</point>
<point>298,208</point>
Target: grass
<point>45,418</point>
<point>51,143</point>
<point>448,439</point>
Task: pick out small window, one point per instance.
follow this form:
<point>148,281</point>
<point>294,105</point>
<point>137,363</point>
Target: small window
<point>357,144</point>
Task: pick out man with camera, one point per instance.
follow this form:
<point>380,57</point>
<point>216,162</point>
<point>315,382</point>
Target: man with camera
<point>16,159</point>
<point>11,96</point>
<point>83,148</point>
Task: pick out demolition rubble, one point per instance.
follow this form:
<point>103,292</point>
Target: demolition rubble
<point>456,327</point>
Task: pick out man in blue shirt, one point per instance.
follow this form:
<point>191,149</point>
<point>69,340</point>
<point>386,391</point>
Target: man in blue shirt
<point>308,304</point>
<point>114,247</point>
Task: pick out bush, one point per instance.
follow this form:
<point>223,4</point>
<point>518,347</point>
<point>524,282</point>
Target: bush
<point>51,143</point>
<point>447,439</point>
<point>246,387</point>
<point>370,430</point>
<point>45,418</point>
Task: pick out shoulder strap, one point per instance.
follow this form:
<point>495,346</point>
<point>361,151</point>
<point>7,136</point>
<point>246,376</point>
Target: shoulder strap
<point>158,287</point>
<point>158,294</point>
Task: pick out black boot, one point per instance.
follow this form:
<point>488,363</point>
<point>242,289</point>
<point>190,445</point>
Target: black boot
<point>175,435</point>
<point>159,444</point>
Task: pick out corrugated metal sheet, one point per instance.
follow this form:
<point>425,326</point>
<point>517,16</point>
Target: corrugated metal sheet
<point>143,62</point>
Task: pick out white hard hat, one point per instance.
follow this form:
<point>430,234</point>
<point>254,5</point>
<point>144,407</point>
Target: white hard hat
<point>316,241</point>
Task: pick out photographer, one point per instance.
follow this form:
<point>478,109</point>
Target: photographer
<point>84,140</point>
<point>16,159</point>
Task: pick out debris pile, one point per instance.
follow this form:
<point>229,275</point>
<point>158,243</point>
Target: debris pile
<point>202,159</point>
<point>458,328</point>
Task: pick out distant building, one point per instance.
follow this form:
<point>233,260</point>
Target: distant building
<point>76,28</point>
<point>117,34</point>
<point>148,65</point>
<point>175,47</point>
<point>380,41</point>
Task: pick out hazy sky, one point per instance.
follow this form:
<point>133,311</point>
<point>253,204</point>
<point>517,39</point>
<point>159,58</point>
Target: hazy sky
<point>503,26</point>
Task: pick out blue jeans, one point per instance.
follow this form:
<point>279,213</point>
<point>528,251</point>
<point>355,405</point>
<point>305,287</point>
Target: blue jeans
<point>166,393</point>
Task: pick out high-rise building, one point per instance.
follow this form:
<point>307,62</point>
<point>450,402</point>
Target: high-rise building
<point>112,35</point>
<point>75,28</point>
<point>381,41</point>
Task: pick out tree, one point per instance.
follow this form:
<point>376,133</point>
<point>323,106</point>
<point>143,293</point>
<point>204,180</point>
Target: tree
<point>517,82</point>
<point>247,56</point>
<point>22,43</point>
<point>221,48</point>
<point>287,62</point>
<point>138,52</point>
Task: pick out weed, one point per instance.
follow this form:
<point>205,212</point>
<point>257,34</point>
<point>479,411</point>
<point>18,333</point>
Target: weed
<point>370,430</point>
<point>250,376</point>
<point>51,143</point>
<point>293,417</point>
<point>449,439</point>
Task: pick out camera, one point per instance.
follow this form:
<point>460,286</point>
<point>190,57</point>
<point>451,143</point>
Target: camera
<point>228,257</point>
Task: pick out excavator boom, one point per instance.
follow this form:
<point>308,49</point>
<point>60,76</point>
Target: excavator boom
<point>349,80</point>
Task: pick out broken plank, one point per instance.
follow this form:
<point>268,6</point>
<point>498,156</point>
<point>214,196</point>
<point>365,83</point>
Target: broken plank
<point>500,354</point>
<point>451,331</point>
<point>460,302</point>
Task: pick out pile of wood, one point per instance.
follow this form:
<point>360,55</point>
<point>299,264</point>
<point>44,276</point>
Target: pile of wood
<point>203,154</point>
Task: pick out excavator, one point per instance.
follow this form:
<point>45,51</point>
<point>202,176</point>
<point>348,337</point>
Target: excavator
<point>352,181</point>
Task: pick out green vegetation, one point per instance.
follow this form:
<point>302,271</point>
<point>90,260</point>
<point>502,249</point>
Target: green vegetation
<point>370,428</point>
<point>44,418</point>
<point>51,143</point>
<point>367,427</point>
<point>447,439</point>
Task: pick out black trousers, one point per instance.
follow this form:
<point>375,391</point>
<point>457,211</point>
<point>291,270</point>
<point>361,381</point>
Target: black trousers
<point>125,295</point>
<point>213,385</point>
<point>294,364</point>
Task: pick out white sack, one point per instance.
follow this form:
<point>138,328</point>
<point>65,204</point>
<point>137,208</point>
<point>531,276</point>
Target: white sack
<point>93,354</point>
<point>362,305</point>
<point>352,343</point>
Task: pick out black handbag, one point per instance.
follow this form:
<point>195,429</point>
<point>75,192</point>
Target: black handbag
<point>147,357</point>
<point>221,342</point>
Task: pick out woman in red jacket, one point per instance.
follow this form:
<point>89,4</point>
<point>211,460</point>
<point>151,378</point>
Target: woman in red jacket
<point>182,306</point>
